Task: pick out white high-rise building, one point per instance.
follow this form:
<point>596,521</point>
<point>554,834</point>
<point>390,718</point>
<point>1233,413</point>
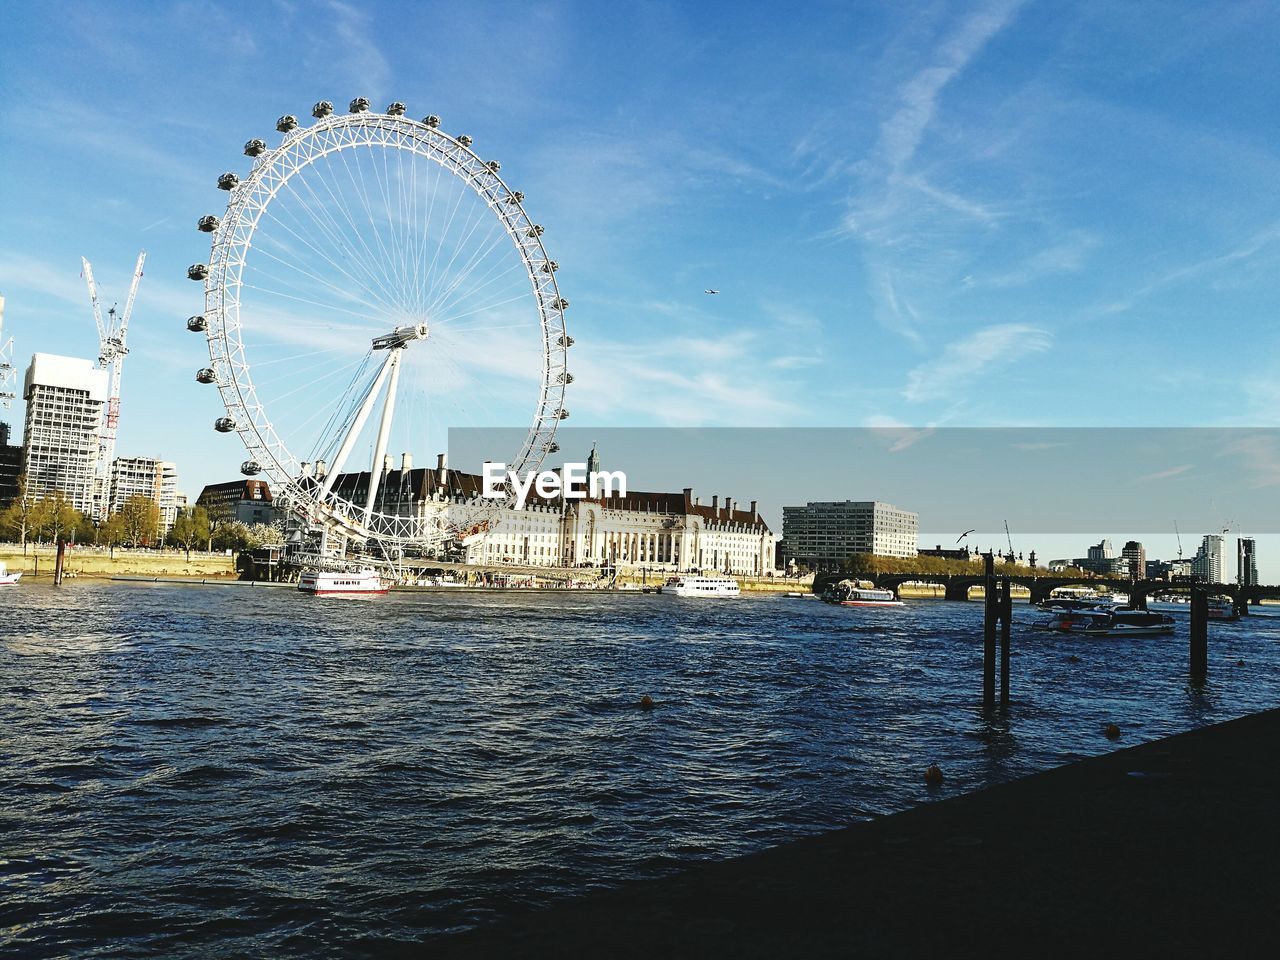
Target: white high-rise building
<point>157,480</point>
<point>65,399</point>
<point>1209,563</point>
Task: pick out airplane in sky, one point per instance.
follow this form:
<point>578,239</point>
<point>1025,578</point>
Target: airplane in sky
<point>710,291</point>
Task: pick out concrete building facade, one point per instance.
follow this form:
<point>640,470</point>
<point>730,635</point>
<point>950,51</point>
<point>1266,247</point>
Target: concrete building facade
<point>157,480</point>
<point>823,535</point>
<point>65,398</point>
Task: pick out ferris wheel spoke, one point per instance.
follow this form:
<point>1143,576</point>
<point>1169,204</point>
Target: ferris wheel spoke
<point>315,278</point>
<point>444,303</point>
<point>376,257</point>
<point>454,278</point>
<point>364,263</point>
<point>371,291</point>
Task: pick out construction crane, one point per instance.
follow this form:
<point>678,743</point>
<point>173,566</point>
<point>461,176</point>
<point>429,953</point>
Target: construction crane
<point>1008,537</point>
<point>8,376</point>
<point>112,347</point>
<point>1177,534</point>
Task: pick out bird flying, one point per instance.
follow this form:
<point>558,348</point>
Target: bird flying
<point>710,291</point>
<point>965,534</point>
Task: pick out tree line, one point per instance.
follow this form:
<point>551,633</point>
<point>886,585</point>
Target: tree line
<point>51,517</point>
<point>869,565</point>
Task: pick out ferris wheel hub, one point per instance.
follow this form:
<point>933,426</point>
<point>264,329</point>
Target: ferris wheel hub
<point>401,337</point>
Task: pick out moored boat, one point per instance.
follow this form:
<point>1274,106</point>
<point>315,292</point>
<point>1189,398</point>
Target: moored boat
<point>690,586</point>
<point>846,593</point>
<point>8,579</point>
<point>324,583</point>
<point>1108,623</point>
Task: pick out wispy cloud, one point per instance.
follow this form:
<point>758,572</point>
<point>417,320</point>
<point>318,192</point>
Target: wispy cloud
<point>1165,474</point>
<point>966,359</point>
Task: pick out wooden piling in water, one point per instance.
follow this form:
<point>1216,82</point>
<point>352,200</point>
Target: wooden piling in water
<point>59,561</point>
<point>1199,631</point>
<point>991,607</point>
<point>1006,621</point>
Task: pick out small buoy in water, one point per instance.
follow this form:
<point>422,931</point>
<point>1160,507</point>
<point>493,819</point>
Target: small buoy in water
<point>933,775</point>
<point>1073,659</point>
<point>1239,663</point>
<point>646,702</point>
<point>1112,731</point>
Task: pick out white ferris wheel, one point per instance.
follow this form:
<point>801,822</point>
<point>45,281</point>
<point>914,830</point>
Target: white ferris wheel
<point>372,283</point>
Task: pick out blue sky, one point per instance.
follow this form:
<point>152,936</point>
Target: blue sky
<point>918,214</point>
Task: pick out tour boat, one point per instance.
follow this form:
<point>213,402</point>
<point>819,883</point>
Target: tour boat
<point>324,583</point>
<point>1222,608</point>
<point>847,594</point>
<point>1109,623</point>
<point>700,587</point>
<point>8,579</point>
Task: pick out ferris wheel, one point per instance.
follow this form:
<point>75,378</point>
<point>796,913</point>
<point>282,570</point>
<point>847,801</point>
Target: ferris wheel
<point>372,262</point>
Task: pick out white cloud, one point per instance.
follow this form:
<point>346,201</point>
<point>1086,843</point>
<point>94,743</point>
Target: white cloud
<point>969,358</point>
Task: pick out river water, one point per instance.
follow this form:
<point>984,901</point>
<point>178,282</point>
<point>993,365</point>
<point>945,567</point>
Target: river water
<point>229,771</point>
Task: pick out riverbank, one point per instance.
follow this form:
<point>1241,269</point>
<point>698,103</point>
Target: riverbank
<point>38,563</point>
<point>1168,848</point>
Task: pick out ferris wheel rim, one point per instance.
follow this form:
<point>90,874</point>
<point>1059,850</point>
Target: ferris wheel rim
<point>231,244</point>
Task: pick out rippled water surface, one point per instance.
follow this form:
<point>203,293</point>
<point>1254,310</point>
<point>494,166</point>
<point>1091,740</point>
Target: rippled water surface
<point>222,771</point>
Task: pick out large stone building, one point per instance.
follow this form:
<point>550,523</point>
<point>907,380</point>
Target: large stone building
<point>157,480</point>
<point>246,501</point>
<point>656,531</point>
<point>65,398</point>
<point>823,535</point>
<point>1135,556</point>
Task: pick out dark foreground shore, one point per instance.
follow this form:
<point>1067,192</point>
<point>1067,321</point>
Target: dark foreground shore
<point>1171,848</point>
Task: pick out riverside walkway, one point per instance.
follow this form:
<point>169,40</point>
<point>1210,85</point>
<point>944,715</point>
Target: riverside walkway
<point>1171,848</point>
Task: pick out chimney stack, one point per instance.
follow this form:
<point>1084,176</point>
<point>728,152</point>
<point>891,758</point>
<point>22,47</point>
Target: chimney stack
<point>386,464</point>
<point>715,504</point>
<point>322,469</point>
<point>755,512</point>
<point>688,494</point>
<point>442,461</point>
<point>406,462</point>
<point>306,469</point>
<point>728,507</point>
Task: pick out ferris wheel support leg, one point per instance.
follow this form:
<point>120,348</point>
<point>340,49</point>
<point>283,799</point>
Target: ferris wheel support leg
<point>384,432</point>
<point>349,441</point>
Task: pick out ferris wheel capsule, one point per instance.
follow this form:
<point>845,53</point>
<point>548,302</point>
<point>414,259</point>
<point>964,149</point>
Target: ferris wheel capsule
<point>358,105</point>
<point>251,468</point>
<point>564,413</point>
<point>565,377</point>
<point>395,109</point>
<point>197,324</point>
<point>516,197</point>
<point>494,165</point>
<point>224,424</point>
<point>197,271</point>
<point>228,181</point>
<point>206,375</point>
<point>550,267</point>
<point>560,304</point>
<point>465,140</point>
<point>255,148</point>
<point>553,447</point>
<point>566,341</point>
<point>321,109</point>
<point>207,223</point>
<point>432,121</point>
<point>286,123</point>
<point>534,231</point>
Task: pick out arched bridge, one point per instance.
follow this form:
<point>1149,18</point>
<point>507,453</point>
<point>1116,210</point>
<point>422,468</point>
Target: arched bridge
<point>957,586</point>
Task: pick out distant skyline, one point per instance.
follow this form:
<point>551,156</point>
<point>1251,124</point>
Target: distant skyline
<point>960,214</point>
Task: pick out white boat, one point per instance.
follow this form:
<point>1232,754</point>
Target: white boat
<point>846,593</point>
<point>8,579</point>
<point>324,583</point>
<point>1108,623</point>
<point>1222,608</point>
<point>700,587</point>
